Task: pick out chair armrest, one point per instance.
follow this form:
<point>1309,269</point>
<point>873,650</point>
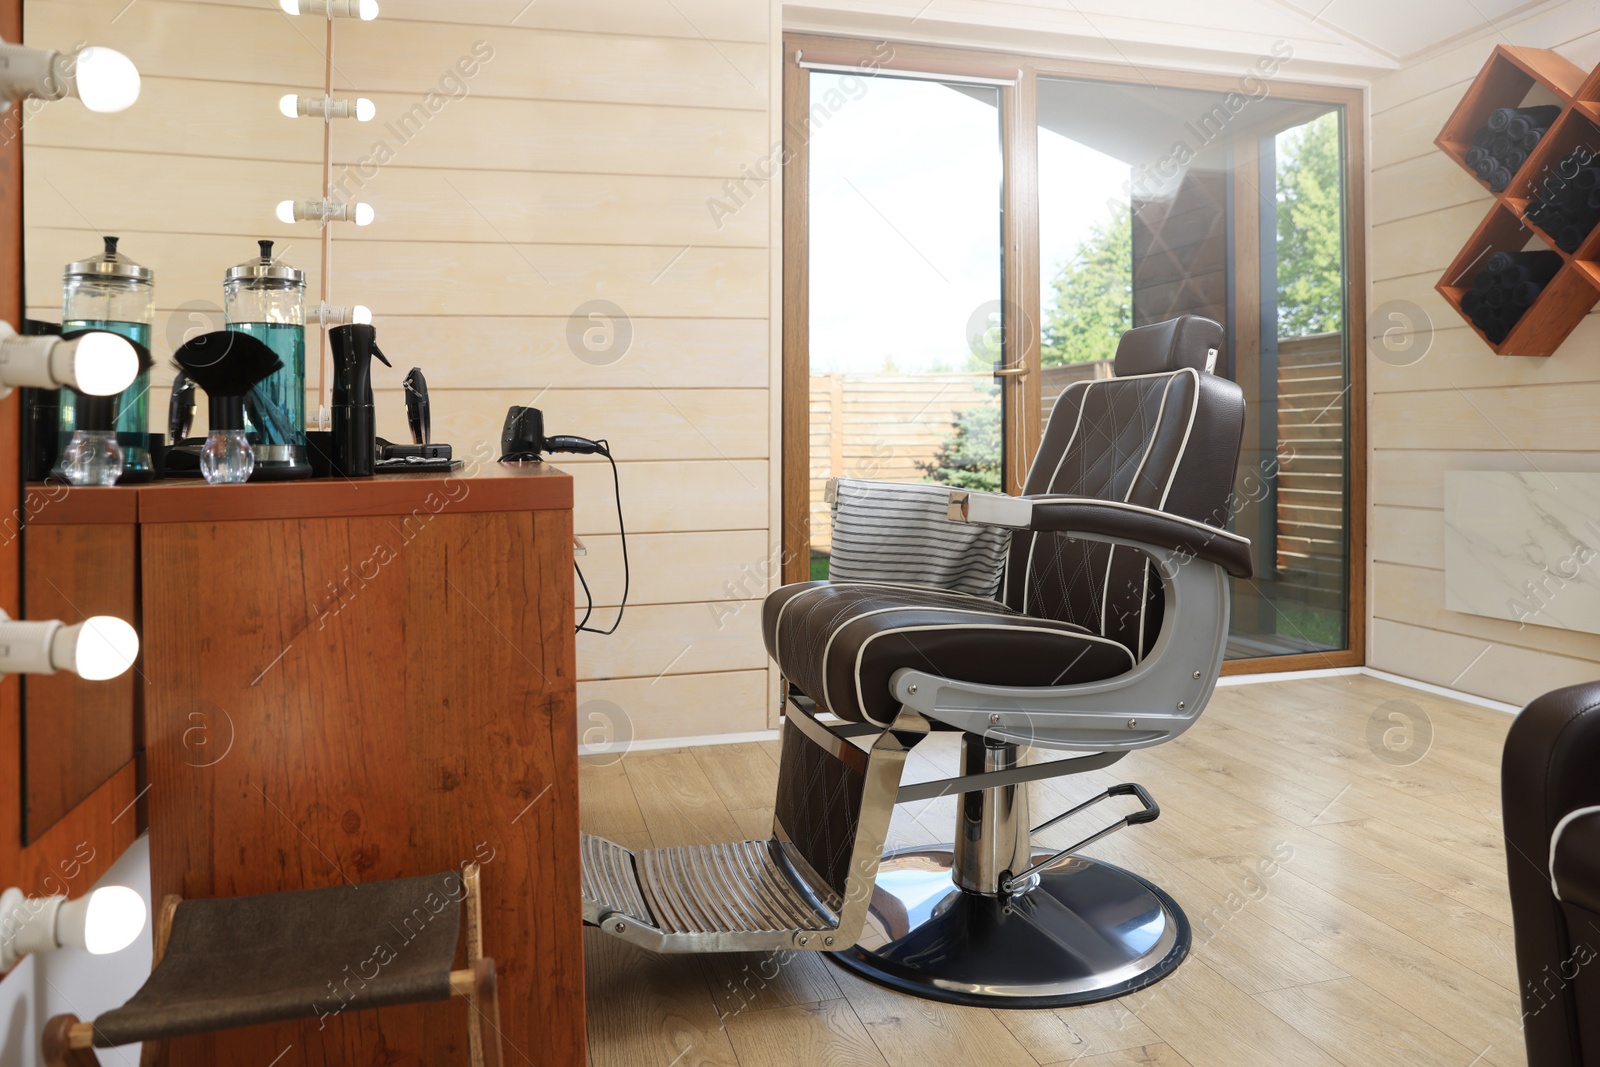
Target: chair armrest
<point>1070,514</point>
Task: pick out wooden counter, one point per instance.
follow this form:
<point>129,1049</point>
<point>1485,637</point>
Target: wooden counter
<point>351,681</point>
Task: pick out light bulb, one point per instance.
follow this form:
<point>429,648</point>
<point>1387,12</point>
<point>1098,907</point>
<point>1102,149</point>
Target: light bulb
<point>107,80</point>
<point>99,648</point>
<point>286,211</point>
<point>369,10</point>
<point>290,7</point>
<point>364,214</point>
<point>103,364</point>
<point>105,920</point>
<point>361,315</point>
<point>289,105</point>
<point>366,110</point>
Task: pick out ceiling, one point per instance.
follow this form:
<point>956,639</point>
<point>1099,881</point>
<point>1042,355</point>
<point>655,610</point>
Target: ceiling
<point>1325,35</point>
<point>1401,29</point>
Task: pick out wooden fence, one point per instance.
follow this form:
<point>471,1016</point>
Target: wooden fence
<point>1312,534</point>
<point>887,426</point>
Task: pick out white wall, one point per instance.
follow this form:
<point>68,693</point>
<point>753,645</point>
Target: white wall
<point>1461,407</point>
<point>74,981</point>
<point>571,159</point>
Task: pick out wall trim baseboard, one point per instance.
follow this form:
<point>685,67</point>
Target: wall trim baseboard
<point>1286,676</point>
<point>691,741</point>
<point>1442,691</point>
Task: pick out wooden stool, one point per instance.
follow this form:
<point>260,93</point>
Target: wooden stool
<point>243,961</point>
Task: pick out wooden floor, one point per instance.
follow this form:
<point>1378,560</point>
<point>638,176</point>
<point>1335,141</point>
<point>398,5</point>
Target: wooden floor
<point>1382,934</point>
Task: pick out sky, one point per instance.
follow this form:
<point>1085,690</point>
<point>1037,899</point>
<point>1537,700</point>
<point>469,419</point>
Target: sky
<point>905,219</point>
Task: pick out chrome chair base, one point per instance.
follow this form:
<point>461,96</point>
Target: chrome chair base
<point>1085,931</point>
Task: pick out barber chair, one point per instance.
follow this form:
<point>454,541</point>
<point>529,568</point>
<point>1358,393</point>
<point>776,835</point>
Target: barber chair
<point>1105,634</point>
<point>1550,790</point>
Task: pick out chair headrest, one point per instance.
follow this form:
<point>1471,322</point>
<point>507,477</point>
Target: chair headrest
<point>1164,347</point>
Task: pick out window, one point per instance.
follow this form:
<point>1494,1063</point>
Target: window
<point>977,231</point>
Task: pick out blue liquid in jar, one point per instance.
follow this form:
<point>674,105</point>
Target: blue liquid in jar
<point>280,399</point>
<point>133,405</point>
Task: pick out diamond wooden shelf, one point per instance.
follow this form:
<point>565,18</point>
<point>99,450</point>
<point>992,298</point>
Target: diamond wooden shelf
<point>1517,77</point>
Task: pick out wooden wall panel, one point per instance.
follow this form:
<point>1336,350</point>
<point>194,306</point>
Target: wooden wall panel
<point>1460,407</point>
<point>581,161</point>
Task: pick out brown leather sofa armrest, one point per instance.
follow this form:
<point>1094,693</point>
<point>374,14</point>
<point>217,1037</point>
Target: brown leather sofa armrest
<point>1575,859</point>
<point>1109,518</point>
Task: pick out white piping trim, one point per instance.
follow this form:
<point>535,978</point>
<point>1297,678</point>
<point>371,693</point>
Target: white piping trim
<point>1183,449</point>
<point>1198,527</point>
<point>1150,446</point>
<point>1555,839</point>
<point>861,702</point>
<point>690,741</point>
<point>1033,538</point>
<point>827,647</point>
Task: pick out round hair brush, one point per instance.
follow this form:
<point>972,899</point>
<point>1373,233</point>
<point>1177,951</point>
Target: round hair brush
<point>226,364</point>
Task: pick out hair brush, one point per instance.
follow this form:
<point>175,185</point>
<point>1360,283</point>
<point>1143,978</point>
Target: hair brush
<point>227,364</point>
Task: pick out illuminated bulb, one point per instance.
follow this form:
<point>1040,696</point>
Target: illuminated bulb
<point>107,80</point>
<point>364,215</point>
<point>106,920</point>
<point>366,110</point>
<point>103,920</point>
<point>362,315</point>
<point>366,10</point>
<point>290,7</point>
<point>97,649</point>
<point>369,10</point>
<point>104,364</point>
<point>285,210</point>
<point>289,105</point>
<point>98,363</point>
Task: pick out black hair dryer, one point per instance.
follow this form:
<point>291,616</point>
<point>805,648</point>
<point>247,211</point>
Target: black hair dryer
<point>355,434</point>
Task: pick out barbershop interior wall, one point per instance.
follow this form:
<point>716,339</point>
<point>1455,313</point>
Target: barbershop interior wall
<point>576,164</point>
<point>1461,407</point>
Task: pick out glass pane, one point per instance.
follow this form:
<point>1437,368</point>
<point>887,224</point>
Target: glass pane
<point>905,286</point>
<point>1161,202</point>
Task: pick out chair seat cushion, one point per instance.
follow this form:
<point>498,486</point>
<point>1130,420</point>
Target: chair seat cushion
<point>840,642</point>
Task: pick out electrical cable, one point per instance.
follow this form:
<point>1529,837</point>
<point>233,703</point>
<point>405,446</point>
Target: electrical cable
<point>616,481</point>
<point>584,446</point>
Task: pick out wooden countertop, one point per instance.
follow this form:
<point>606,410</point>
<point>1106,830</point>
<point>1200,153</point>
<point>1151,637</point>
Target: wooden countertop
<point>476,487</point>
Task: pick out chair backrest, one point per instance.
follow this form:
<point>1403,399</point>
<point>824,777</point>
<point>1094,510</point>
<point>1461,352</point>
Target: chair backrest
<point>1164,433</point>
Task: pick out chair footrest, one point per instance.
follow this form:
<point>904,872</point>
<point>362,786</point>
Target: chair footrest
<point>703,898</point>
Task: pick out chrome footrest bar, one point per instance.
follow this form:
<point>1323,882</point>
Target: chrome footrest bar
<point>1150,813</point>
<point>1033,772</point>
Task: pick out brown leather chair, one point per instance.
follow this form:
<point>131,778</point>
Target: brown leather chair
<point>1106,634</point>
<point>1550,789</point>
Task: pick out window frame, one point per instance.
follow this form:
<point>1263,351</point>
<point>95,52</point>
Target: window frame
<point>1020,273</point>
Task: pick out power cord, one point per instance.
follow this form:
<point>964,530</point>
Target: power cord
<point>584,446</point>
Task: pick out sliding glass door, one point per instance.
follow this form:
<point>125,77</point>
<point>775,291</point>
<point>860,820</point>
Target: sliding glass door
<point>1157,202</point>
<point>905,286</point>
<point>977,230</point>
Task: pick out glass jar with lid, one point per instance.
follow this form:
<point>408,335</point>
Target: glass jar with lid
<point>265,298</point>
<point>111,292</point>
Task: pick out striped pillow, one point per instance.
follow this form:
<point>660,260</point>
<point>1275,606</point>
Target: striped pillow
<point>898,532</point>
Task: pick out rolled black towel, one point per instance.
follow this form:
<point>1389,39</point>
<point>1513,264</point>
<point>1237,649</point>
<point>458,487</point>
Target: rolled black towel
<point>1530,140</point>
<point>1498,262</point>
<point>1523,295</point>
<point>1570,237</point>
<point>1481,136</point>
<point>1499,145</point>
<point>1513,276</point>
<point>1495,298</point>
<point>1541,115</point>
<point>1475,156</point>
<point>1515,158</point>
<point>1588,177</point>
<point>1499,180</point>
